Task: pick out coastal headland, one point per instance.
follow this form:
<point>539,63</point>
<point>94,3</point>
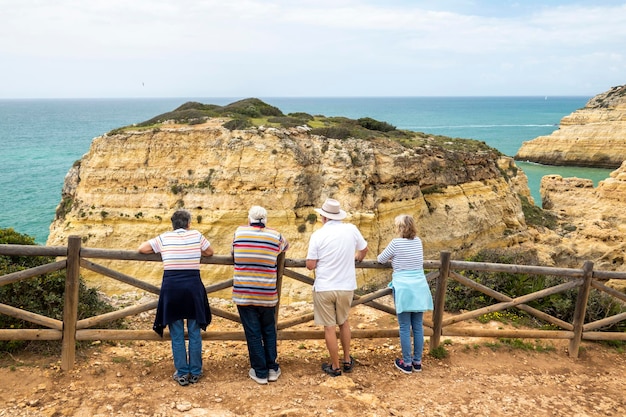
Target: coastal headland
<point>215,162</point>
<point>594,136</point>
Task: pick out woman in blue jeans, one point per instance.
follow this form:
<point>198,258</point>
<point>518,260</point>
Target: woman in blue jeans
<point>182,294</point>
<point>410,290</point>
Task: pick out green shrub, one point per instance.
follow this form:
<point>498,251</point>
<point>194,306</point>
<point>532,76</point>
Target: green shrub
<point>42,295</point>
<point>194,105</point>
<point>302,116</point>
<point>334,132</point>
<point>65,207</point>
<point>206,182</point>
<point>237,124</point>
<point>372,124</point>
<point>536,216</point>
<point>439,352</point>
<point>560,305</point>
<point>286,121</point>
<point>251,107</point>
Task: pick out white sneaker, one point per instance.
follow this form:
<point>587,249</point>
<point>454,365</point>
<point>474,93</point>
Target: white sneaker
<point>274,374</point>
<point>256,379</point>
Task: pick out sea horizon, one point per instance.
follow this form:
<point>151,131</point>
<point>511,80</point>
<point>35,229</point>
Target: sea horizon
<point>354,96</point>
<point>43,137</point>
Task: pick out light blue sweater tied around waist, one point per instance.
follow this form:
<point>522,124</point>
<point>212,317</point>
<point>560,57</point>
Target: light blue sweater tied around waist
<point>411,291</point>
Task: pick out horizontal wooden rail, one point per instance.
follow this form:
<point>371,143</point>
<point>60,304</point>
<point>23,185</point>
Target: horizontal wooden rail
<point>438,272</point>
<point>109,334</point>
<point>32,272</point>
<point>30,334</point>
<point>511,334</point>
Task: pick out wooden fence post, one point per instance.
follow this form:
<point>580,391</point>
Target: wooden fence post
<point>581,309</point>
<point>440,300</point>
<point>70,308</point>
<point>280,268</point>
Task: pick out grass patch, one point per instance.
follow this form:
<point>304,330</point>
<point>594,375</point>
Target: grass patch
<point>618,345</point>
<point>518,344</point>
<point>506,317</point>
<point>439,352</point>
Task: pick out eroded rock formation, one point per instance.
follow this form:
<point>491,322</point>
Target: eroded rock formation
<point>594,136</point>
<point>593,222</point>
<point>126,187</point>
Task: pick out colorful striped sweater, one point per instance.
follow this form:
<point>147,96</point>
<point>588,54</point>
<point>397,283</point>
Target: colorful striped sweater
<point>255,250</point>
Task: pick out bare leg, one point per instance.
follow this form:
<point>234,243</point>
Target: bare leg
<point>345,334</point>
<point>331,344</point>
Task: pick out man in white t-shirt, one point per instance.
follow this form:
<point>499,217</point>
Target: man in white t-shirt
<point>332,252</point>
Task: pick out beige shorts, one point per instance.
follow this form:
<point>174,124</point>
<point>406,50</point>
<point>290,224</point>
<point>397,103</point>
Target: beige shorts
<point>331,308</point>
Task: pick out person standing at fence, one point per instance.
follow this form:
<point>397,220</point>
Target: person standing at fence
<point>411,293</point>
<point>332,252</point>
<point>182,294</point>
<point>255,250</point>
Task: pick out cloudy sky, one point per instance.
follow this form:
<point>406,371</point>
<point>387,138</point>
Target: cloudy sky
<point>290,48</point>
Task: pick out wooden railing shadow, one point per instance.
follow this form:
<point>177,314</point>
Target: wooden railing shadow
<point>70,329</point>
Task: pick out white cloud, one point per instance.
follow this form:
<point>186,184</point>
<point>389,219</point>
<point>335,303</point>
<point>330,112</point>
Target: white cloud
<point>274,48</point>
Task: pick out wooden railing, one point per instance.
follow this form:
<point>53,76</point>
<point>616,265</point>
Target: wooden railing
<point>71,329</point>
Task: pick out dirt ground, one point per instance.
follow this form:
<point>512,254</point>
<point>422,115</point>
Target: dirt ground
<point>477,378</point>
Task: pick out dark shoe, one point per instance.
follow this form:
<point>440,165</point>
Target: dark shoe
<point>328,368</point>
<point>417,367</point>
<point>347,366</point>
<point>181,379</point>
<point>194,378</point>
<point>407,369</point>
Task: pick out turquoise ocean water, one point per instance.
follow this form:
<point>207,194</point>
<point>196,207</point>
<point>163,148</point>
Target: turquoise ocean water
<point>41,139</point>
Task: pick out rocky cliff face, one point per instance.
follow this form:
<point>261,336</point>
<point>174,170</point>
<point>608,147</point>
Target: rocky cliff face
<point>126,187</point>
<point>593,136</point>
<point>593,222</point>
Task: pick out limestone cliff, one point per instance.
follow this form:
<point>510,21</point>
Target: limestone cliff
<point>124,190</point>
<point>592,222</point>
<point>594,136</point>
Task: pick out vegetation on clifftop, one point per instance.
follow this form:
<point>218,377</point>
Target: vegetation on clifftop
<point>561,305</point>
<point>253,113</point>
<point>615,96</point>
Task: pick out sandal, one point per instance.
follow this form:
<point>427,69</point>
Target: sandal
<point>181,379</point>
<point>347,366</point>
<point>328,368</point>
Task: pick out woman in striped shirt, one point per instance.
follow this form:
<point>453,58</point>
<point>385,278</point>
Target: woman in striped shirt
<point>410,290</point>
<point>182,294</point>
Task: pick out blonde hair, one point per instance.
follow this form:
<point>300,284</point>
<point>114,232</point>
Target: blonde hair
<point>405,225</point>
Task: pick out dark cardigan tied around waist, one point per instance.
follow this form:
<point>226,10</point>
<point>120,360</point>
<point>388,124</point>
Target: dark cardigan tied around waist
<point>182,296</point>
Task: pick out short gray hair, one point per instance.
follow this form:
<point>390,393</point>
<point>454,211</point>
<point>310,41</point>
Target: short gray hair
<point>257,214</point>
<point>181,219</point>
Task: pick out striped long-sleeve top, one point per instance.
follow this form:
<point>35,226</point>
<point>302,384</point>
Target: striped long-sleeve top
<point>255,250</point>
<point>405,254</point>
